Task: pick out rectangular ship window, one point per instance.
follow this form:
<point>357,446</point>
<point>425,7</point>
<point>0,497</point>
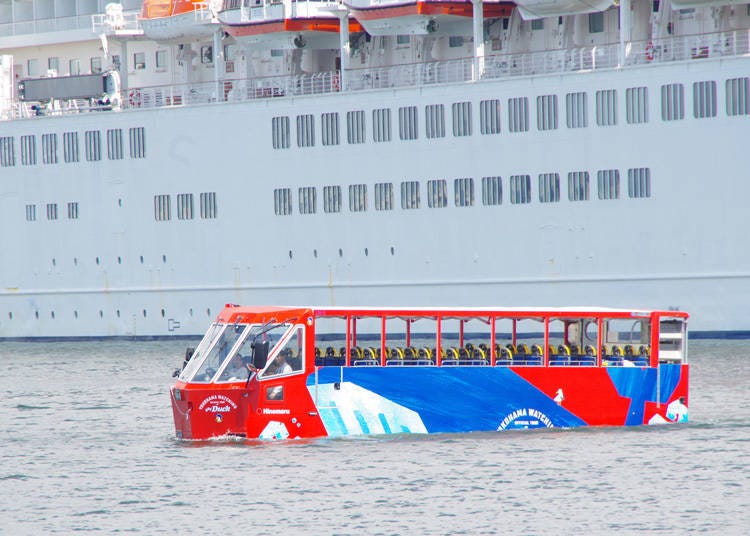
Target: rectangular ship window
<point>7,151</point>
<point>357,197</point>
<point>208,205</point>
<point>355,127</point>
<point>329,127</point>
<point>137,142</point>
<point>549,187</point>
<point>462,118</point>
<point>596,22</point>
<point>30,212</point>
<point>114,144</point>
<point>305,130</point>
<point>704,99</point>
<point>93,145</point>
<point>280,132</point>
<point>184,206</point>
<point>737,90</point>
<point>492,191</point>
<point>672,102</point>
<point>381,124</point>
<point>70,147</point>
<point>606,107</point>
<point>51,211</point>
<point>307,200</point>
<point>331,199</point>
<point>518,114</point>
<point>608,183</point>
<point>437,193</point>
<point>282,201</point>
<point>434,120</point>
<point>639,182</point>
<point>384,196</point>
<point>162,208</point>
<point>464,192</point>
<point>409,195</point>
<point>546,112</point>
<point>576,110</point>
<point>73,211</point>
<point>636,103</point>
<point>578,186</point>
<point>407,123</point>
<point>489,116</point>
<point>49,148</point>
<point>28,150</point>
<point>520,189</point>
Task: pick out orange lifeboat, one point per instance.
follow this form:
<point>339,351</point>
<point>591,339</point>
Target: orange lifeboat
<point>422,17</point>
<point>170,20</point>
<point>286,25</point>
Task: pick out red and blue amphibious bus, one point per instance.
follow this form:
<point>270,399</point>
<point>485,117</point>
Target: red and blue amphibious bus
<point>300,372</point>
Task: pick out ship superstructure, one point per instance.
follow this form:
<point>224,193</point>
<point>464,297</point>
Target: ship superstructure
<point>423,153</point>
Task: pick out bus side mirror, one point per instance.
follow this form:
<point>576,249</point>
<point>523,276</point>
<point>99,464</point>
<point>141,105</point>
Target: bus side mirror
<point>260,354</point>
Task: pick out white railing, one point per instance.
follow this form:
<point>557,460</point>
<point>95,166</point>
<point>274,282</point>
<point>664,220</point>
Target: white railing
<point>116,22</point>
<point>57,24</point>
<point>725,44</point>
<point>231,90</point>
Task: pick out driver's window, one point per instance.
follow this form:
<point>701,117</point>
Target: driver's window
<point>289,358</point>
<point>219,352</point>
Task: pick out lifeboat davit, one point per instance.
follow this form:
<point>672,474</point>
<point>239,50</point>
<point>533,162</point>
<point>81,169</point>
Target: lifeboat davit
<point>179,20</point>
<point>286,24</point>
<point>421,17</point>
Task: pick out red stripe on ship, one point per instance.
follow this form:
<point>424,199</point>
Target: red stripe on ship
<point>459,9</point>
<point>320,24</point>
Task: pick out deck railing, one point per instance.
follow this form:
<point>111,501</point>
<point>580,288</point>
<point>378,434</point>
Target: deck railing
<point>493,67</point>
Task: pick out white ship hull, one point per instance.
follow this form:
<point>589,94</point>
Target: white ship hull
<point>116,271</point>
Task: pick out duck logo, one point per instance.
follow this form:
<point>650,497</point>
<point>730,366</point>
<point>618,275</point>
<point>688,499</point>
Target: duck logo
<point>218,405</point>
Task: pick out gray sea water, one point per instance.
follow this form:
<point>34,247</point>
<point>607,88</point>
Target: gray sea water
<point>87,445</point>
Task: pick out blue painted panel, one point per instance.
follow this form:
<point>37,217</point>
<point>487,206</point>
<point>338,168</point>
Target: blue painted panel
<point>458,399</point>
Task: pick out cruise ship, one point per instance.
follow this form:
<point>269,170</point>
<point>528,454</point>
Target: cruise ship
<point>159,159</point>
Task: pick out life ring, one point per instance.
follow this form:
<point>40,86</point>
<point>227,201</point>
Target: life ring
<point>650,51</point>
<point>134,98</point>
